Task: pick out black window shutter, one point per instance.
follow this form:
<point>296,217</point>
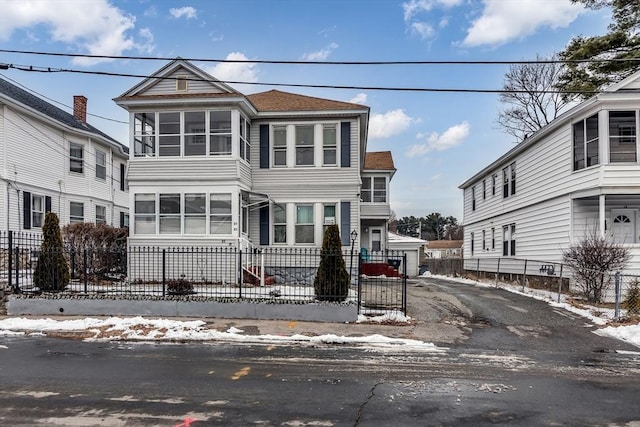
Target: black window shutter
<point>123,176</point>
<point>47,204</point>
<point>264,226</point>
<point>345,144</point>
<point>121,219</point>
<point>264,146</point>
<point>26,210</point>
<point>345,222</point>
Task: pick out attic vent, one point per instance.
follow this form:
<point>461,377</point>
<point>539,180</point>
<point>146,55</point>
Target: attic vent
<point>181,83</point>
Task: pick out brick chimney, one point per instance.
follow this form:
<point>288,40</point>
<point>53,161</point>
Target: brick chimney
<point>80,108</point>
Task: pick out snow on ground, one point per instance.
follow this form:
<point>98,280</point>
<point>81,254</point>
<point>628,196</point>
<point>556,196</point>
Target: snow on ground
<point>597,315</point>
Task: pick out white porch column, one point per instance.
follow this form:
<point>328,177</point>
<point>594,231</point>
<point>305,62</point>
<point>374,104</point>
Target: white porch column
<point>601,205</point>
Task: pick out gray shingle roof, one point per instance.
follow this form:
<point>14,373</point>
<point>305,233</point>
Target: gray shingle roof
<point>23,97</point>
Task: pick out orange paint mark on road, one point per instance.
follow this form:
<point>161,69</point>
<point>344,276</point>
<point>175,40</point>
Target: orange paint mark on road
<point>241,373</point>
<point>291,325</point>
<point>187,422</point>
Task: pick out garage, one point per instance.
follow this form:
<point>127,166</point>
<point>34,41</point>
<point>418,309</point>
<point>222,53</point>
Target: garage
<point>411,246</point>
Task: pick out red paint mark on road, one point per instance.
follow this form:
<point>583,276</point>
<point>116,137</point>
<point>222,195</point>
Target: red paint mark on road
<point>187,422</point>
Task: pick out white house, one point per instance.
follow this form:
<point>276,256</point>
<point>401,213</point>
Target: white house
<point>212,166</point>
<point>51,160</point>
<point>577,176</point>
<point>411,247</point>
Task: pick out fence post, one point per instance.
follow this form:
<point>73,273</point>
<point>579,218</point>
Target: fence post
<point>85,269</point>
<point>560,283</point>
<point>616,313</point>
<point>478,270</point>
<point>17,262</point>
<point>359,280</point>
<point>524,275</point>
<point>240,273</point>
<point>10,266</point>
<point>404,284</point>
<point>73,262</point>
<point>497,272</point>
<point>164,273</point>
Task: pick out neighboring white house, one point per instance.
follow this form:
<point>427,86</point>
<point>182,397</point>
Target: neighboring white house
<point>411,247</point>
<point>212,166</point>
<point>51,160</point>
<point>577,176</point>
<point>443,249</point>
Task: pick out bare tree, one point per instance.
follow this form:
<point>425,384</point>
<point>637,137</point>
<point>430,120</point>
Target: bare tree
<point>592,262</point>
<point>530,97</point>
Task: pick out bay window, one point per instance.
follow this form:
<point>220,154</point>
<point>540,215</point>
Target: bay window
<point>585,143</point>
<point>245,141</point>
<point>373,189</point>
<point>144,134</point>
<point>169,134</point>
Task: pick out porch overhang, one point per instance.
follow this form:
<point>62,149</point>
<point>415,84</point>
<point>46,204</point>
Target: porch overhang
<point>255,200</point>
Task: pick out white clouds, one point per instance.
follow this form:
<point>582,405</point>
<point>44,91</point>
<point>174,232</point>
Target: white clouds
<point>502,21</point>
<point>183,12</point>
<point>360,98</point>
<point>415,8</point>
<point>450,138</point>
<point>92,26</point>
<point>388,124</point>
<point>234,71</point>
<point>423,29</point>
<point>320,55</point>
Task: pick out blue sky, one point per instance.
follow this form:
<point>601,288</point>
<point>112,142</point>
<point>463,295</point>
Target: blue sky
<point>437,139</point>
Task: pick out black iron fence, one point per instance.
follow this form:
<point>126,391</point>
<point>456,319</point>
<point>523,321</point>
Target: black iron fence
<point>375,282</point>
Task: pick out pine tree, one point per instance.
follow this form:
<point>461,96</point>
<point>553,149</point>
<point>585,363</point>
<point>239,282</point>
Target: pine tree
<point>332,279</point>
<point>52,270</point>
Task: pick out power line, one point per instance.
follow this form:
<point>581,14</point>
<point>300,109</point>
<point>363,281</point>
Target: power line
<point>301,62</point>
<point>41,69</point>
<point>58,102</point>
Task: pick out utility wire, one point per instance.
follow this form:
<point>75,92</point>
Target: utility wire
<point>300,62</point>
<point>40,69</point>
<point>58,102</point>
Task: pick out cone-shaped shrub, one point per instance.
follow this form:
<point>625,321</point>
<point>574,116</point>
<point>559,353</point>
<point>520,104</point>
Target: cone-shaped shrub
<point>52,270</point>
<point>332,279</point>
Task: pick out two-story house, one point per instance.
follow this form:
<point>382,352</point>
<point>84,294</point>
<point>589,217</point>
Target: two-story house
<point>51,160</point>
<point>576,177</point>
<point>212,166</point>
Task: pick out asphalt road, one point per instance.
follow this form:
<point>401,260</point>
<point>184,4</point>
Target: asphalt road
<point>514,361</point>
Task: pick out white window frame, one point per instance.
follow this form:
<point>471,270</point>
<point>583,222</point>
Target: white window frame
<point>194,134</point>
<point>329,220</point>
<point>76,218</point>
<point>581,130</point>
<point>37,216</point>
<point>144,134</point>
<point>190,215</point>
<point>302,146</point>
<point>159,123</point>
<point>625,137</point>
<point>279,223</point>
<point>279,146</point>
<point>245,139</point>
<point>139,218</point>
<point>225,135</point>
<point>509,180</point>
<point>169,217</point>
<point>182,83</point>
<point>101,214</point>
<point>74,158</point>
<point>509,240</point>
<point>101,165</point>
<point>224,219</point>
<point>329,148</point>
<point>298,225</point>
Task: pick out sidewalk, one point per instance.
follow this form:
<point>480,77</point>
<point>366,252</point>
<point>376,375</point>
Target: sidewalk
<point>432,318</point>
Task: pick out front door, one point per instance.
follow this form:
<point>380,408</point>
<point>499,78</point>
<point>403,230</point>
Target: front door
<point>623,225</point>
<point>375,239</point>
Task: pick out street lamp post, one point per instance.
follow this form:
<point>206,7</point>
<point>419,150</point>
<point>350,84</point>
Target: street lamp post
<point>354,236</point>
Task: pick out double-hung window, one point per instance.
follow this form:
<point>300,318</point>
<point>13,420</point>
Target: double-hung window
<point>76,212</point>
<point>144,219</point>
<point>245,141</point>
<point>76,161</point>
<point>494,178</point>
<point>304,145</point>
<point>509,180</point>
<point>585,143</point>
<point>279,224</point>
<point>622,137</point>
<point>380,189</point>
<point>169,134</point>
<point>37,210</point>
<point>101,214</point>
<point>473,198</point>
<point>195,137</point>
<point>169,213</point>
<point>144,134</point>
<point>279,146</point>
<point>329,145</point>
<point>304,224</point>
<point>220,132</point>
<point>509,240</point>
<point>101,165</point>
<point>220,213</point>
<point>329,216</point>
<point>195,213</point>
